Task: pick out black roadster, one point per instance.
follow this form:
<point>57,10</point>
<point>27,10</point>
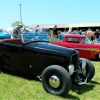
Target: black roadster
<point>57,67</point>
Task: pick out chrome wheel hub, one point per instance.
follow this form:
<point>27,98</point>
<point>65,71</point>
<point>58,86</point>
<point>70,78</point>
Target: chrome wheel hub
<point>54,81</point>
<point>84,67</point>
<point>84,71</point>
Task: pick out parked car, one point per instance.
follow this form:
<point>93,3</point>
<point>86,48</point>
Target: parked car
<point>57,67</point>
<point>40,35</point>
<point>4,35</point>
<point>62,34</point>
<point>87,49</point>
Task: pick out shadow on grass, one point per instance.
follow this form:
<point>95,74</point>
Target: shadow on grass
<point>18,74</point>
<point>94,82</point>
<point>81,89</point>
<point>71,97</point>
<point>96,60</point>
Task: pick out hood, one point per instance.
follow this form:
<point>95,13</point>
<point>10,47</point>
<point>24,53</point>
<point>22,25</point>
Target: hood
<point>51,48</point>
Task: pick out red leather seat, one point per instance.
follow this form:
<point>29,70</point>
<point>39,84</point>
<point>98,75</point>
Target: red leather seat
<point>16,41</point>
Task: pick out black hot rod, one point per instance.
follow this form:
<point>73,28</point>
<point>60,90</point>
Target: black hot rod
<point>57,67</point>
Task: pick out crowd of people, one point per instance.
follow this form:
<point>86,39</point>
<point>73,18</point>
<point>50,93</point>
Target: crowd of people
<point>90,34</point>
<point>54,32</point>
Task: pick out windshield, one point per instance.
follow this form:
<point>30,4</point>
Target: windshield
<point>87,41</point>
<point>34,37</point>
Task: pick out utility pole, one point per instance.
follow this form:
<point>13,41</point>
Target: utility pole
<point>20,13</point>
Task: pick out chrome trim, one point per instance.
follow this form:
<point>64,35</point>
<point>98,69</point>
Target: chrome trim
<point>70,67</point>
<point>54,81</point>
<point>39,77</point>
<point>81,83</point>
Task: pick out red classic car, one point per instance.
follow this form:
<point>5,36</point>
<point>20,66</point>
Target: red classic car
<point>87,49</point>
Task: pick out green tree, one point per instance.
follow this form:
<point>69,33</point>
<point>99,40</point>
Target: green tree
<point>16,23</point>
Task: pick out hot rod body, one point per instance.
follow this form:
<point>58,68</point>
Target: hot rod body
<point>57,67</point>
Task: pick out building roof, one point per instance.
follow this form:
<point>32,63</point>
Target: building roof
<point>66,25</point>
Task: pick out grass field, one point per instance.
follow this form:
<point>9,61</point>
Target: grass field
<point>21,87</point>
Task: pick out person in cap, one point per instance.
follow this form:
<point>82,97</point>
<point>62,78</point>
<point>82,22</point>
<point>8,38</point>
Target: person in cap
<point>17,31</point>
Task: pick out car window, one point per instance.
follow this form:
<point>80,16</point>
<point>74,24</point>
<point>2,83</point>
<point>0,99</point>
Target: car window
<point>74,40</point>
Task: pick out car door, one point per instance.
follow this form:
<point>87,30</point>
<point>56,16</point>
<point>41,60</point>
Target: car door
<point>27,58</point>
<point>76,43</point>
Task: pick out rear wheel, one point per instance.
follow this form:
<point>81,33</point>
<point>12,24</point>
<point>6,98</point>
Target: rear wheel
<point>56,80</point>
<point>87,68</point>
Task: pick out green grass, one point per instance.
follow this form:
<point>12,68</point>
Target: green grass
<point>17,87</point>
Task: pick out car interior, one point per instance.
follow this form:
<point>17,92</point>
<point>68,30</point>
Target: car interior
<point>17,41</point>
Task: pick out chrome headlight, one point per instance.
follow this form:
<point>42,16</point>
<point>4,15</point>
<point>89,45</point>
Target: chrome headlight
<point>71,69</point>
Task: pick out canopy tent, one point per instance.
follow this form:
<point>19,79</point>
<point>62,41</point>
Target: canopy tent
<point>66,25</point>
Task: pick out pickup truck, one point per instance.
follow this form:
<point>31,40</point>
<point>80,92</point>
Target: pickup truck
<point>87,49</point>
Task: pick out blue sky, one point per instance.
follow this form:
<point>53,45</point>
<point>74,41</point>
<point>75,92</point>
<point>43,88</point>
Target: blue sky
<point>49,12</point>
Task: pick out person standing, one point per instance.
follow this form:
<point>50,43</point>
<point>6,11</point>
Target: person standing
<point>37,29</point>
<point>51,34</point>
<point>70,30</point>
<point>55,33</point>
<point>89,34</point>
<point>83,32</point>
<point>17,31</point>
<point>97,33</point>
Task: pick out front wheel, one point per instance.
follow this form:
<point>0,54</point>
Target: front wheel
<point>56,80</point>
<point>87,68</point>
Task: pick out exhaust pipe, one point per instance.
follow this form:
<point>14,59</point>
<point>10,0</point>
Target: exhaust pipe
<point>81,83</point>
